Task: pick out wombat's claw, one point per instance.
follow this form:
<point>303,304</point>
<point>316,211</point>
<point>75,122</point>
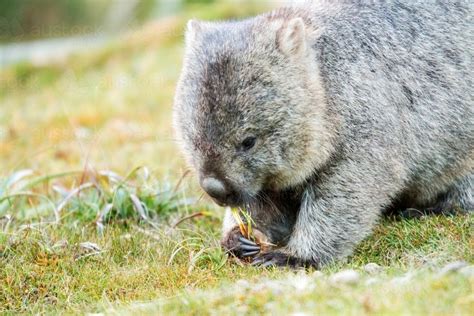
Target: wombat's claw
<point>251,248</point>
<point>247,241</point>
<point>249,254</point>
<point>248,247</point>
<point>257,261</point>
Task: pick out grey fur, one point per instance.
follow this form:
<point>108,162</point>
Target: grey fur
<point>357,106</point>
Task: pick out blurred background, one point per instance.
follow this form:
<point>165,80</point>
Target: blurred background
<point>66,25</point>
<point>90,83</point>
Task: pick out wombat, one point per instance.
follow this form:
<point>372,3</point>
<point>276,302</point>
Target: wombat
<point>319,118</point>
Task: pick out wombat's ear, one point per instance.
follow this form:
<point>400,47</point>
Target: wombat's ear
<point>192,29</point>
<point>291,37</point>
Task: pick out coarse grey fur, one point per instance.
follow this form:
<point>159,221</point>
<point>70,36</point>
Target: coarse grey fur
<point>355,106</point>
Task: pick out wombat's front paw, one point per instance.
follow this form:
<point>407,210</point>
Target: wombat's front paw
<point>241,247</point>
<point>280,259</point>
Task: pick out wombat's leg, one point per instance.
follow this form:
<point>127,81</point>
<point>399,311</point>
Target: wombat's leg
<point>459,197</point>
<point>270,230</point>
<point>277,258</point>
<point>231,234</point>
<point>229,223</point>
<point>334,216</point>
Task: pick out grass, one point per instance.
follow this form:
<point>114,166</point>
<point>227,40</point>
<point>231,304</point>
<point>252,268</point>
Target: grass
<point>95,215</point>
<point>74,267</point>
<point>314,294</point>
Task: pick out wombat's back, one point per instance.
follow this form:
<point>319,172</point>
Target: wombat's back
<point>401,75</point>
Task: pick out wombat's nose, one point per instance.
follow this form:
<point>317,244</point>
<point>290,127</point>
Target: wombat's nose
<point>214,188</point>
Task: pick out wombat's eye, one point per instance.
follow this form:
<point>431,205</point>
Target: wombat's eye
<point>248,143</point>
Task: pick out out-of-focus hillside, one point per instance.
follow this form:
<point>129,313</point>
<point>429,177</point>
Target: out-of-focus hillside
<point>109,108</point>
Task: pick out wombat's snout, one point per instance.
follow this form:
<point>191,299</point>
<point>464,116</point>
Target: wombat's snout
<point>219,191</point>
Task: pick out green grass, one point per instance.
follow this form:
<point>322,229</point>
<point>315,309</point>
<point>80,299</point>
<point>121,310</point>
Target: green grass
<point>131,239</point>
<point>310,295</point>
<point>142,239</point>
<point>47,268</point>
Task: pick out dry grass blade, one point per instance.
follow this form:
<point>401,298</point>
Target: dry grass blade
<point>141,209</point>
<point>149,234</point>
<point>198,214</point>
<point>28,194</point>
<point>89,246</point>
<point>112,176</point>
<point>183,244</point>
<point>175,252</point>
<point>138,206</point>
<point>63,203</point>
<point>90,254</point>
<point>146,173</point>
<point>185,174</point>
<point>60,190</point>
<point>102,215</point>
<point>18,176</point>
<point>244,226</point>
<point>35,181</point>
<point>193,260</point>
<point>88,249</point>
<point>5,222</point>
<point>123,181</point>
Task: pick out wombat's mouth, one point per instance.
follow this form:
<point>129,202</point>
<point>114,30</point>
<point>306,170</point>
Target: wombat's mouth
<point>232,201</point>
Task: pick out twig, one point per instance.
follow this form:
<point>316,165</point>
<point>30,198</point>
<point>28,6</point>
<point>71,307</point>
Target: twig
<point>188,217</point>
<point>185,174</point>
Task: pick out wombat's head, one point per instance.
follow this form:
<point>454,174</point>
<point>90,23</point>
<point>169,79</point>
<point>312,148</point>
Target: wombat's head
<point>249,108</point>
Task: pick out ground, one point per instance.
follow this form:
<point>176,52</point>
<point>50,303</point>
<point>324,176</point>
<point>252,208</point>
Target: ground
<point>98,213</point>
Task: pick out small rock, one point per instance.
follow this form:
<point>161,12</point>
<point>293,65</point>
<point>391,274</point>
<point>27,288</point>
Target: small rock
<point>301,282</point>
<point>277,287</point>
<point>402,280</point>
<point>244,284</point>
<point>61,244</point>
<point>467,271</point>
<point>317,274</point>
<point>89,246</point>
<point>345,277</point>
<point>126,236</point>
<point>261,286</point>
<point>270,307</point>
<point>371,281</point>
<point>452,267</point>
<point>372,268</point>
